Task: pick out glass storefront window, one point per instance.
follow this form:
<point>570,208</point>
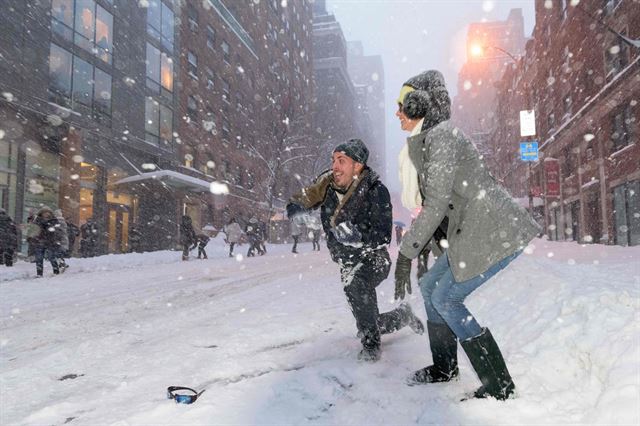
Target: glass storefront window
<point>626,207</point>
<point>62,18</point>
<point>104,34</point>
<point>86,204</point>
<point>160,24</point>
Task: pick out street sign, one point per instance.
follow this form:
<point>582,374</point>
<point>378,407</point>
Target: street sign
<point>529,151</point>
<point>527,123</point>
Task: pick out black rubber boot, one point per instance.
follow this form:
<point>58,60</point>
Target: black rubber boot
<point>486,359</point>
<point>444,351</point>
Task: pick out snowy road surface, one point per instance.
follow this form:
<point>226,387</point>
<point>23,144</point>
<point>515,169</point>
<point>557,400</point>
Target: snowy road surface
<point>272,341</point>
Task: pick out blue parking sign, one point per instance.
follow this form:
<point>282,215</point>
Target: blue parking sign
<point>529,151</point>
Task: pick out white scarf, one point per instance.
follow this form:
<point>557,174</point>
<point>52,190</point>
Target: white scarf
<point>411,197</point>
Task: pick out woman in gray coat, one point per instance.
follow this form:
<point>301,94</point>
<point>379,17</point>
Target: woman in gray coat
<point>486,231</point>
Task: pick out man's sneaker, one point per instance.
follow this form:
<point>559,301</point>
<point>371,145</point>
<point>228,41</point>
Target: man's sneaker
<point>369,354</point>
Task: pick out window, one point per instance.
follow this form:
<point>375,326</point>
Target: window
<point>160,23</point>
<point>225,52</point>
<point>626,211</point>
<point>88,24</point>
<point>192,60</point>
<point>226,93</point>
<point>60,74</point>
<point>210,79</point>
<point>225,129</point>
<point>621,121</point>
<point>616,58</point>
<point>192,108</point>
<point>74,81</point>
<point>192,16</point>
<point>159,70</point>
<point>102,91</point>
<point>211,37</point>
<point>82,78</point>
<point>158,122</point>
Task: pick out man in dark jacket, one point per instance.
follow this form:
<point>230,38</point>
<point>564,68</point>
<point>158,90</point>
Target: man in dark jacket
<point>8,239</point>
<point>187,236</point>
<point>47,242</point>
<point>88,238</point>
<point>356,217</point>
<point>73,231</point>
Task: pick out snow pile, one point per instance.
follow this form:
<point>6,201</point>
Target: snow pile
<point>272,341</point>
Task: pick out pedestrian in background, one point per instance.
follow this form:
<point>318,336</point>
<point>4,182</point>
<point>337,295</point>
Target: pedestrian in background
<point>8,238</point>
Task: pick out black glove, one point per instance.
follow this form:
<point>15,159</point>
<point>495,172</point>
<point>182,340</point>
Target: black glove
<point>294,209</point>
<point>347,233</point>
<point>402,276</point>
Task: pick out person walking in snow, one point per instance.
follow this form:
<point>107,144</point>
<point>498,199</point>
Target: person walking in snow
<point>62,240</point>
<point>262,236</point>
<point>8,238</point>
<point>315,227</point>
<point>252,232</point>
<point>356,218</point>
<point>88,238</point>
<point>202,240</point>
<point>296,224</point>
<point>47,242</point>
<point>187,236</point>
<point>73,232</point>
<point>233,234</point>
<point>487,230</point>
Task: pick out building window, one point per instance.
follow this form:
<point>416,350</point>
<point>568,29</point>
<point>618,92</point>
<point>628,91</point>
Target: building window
<point>60,75</point>
<point>192,108</point>
<point>626,211</point>
<point>616,58</point>
<point>88,24</point>
<point>192,60</point>
<point>210,78</point>
<point>211,38</point>
<point>73,81</point>
<point>159,71</point>
<point>225,130</point>
<point>621,127</point>
<point>192,16</point>
<point>158,123</point>
<point>226,55</point>
<point>226,92</point>
<point>160,24</point>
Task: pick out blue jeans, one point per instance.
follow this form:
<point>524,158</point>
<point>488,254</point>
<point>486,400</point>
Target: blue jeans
<point>444,297</point>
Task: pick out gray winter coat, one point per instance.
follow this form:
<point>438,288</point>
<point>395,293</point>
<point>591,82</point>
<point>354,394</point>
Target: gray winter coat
<point>485,224</point>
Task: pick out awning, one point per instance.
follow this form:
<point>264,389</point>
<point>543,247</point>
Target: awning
<point>170,178</point>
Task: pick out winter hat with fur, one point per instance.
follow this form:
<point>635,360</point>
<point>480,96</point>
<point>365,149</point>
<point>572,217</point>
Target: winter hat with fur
<point>429,99</point>
<point>354,149</point>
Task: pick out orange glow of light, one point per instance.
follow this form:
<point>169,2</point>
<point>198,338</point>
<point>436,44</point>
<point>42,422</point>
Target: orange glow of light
<point>476,50</point>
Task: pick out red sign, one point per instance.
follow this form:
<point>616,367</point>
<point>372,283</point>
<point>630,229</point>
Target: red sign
<point>552,177</point>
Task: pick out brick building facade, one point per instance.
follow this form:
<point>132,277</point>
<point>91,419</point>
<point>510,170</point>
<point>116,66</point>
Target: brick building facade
<point>583,82</point>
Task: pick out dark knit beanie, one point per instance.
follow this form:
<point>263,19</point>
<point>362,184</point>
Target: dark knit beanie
<point>354,149</point>
<point>430,99</point>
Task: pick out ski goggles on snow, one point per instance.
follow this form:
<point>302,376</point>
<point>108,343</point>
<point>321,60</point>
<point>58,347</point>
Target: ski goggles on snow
<point>181,398</point>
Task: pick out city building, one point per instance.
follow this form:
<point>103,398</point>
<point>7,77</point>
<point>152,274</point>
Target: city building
<point>581,75</point>
<point>491,46</point>
<point>108,114</point>
<point>335,102</point>
<point>367,74</point>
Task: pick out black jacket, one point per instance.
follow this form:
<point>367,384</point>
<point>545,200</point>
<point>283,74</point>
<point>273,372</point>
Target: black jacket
<point>8,233</point>
<point>369,209</point>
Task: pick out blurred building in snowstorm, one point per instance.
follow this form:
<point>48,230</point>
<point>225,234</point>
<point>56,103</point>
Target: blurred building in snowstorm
<point>335,113</point>
<point>246,89</point>
<point>126,112</point>
<point>489,46</point>
<point>581,75</point>
<point>367,74</point>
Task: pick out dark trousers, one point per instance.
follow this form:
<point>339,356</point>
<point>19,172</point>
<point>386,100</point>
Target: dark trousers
<point>185,251</point>
<point>201,252</point>
<point>6,257</point>
<point>360,282</point>
<point>316,244</point>
<point>40,253</point>
<point>295,244</point>
<point>231,246</point>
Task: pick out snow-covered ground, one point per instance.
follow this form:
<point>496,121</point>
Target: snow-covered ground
<point>272,341</point>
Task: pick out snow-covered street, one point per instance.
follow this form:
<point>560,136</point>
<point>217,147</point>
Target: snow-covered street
<point>272,341</point>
